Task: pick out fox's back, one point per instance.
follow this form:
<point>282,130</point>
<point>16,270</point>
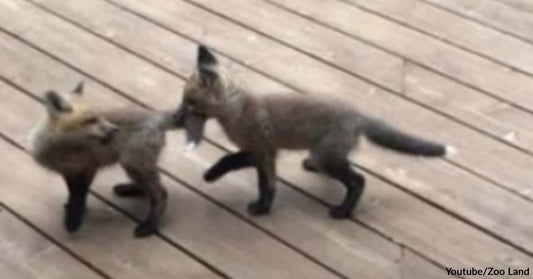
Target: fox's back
<point>295,121</point>
<point>142,133</point>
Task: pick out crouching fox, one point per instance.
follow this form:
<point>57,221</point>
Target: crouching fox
<point>260,125</point>
<point>75,141</point>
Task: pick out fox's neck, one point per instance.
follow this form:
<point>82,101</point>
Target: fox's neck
<point>234,107</point>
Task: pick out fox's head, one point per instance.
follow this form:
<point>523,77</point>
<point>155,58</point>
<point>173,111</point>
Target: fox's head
<point>205,94</point>
<point>71,117</point>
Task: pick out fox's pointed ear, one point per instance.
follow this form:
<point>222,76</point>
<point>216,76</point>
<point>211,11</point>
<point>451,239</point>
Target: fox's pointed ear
<point>55,103</point>
<point>207,66</point>
<point>79,88</point>
<point>206,57</point>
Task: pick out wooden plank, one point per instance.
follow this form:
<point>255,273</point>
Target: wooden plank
<point>453,104</point>
<point>419,12</point>
<point>118,31</point>
<point>27,254</point>
<point>492,115</point>
<point>337,244</point>
<point>453,189</point>
<point>105,240</point>
<point>344,85</point>
<point>290,209</point>
<point>457,30</point>
<point>190,219</point>
<point>499,249</point>
<point>499,119</point>
<point>298,221</point>
<point>168,49</point>
<point>364,57</point>
<point>466,67</point>
<point>332,81</point>
<point>237,248</point>
<point>467,202</point>
<point>509,16</point>
<point>440,236</point>
<point>525,5</point>
<point>486,108</point>
<point>485,105</point>
<point>410,262</point>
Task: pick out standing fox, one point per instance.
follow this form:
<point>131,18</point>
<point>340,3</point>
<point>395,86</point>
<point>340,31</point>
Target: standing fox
<point>75,141</point>
<point>262,125</point>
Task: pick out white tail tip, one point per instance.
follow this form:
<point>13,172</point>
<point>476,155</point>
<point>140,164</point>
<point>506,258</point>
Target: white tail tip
<point>451,150</point>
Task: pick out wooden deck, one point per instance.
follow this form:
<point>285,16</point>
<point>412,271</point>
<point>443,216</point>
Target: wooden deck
<point>457,71</point>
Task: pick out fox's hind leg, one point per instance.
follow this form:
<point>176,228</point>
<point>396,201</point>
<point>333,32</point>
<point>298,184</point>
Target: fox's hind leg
<point>354,183</point>
<point>147,178</point>
<point>131,189</point>
<point>330,157</point>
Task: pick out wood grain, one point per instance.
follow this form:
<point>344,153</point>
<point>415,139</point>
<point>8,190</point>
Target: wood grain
<point>26,254</point>
<point>344,242</point>
<point>421,180</point>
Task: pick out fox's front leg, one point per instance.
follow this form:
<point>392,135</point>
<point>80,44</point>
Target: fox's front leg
<point>78,187</point>
<point>266,176</point>
<point>230,162</point>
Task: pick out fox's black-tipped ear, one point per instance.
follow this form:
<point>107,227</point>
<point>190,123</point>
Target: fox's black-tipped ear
<point>55,103</point>
<point>207,66</point>
<point>206,57</point>
<point>79,88</point>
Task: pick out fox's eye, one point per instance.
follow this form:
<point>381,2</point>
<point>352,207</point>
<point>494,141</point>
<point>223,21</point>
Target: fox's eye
<point>90,121</point>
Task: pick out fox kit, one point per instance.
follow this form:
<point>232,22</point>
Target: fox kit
<point>75,141</point>
<point>262,125</point>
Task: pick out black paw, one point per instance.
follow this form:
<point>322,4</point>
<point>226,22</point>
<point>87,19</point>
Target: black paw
<point>340,212</point>
<point>257,208</point>
<point>308,165</point>
<point>144,230</point>
<point>128,190</point>
<point>73,218</point>
<point>211,175</point>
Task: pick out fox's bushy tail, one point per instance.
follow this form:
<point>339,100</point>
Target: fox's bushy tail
<point>389,137</point>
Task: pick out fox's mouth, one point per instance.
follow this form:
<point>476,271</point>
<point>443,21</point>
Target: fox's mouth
<point>194,123</point>
<point>107,138</point>
<point>194,127</point>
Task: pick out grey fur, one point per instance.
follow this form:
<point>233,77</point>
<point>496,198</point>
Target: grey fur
<point>260,125</point>
<point>77,143</point>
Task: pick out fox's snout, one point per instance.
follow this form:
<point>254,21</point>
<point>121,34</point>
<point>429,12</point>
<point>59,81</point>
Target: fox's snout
<point>111,128</point>
<point>103,131</point>
<point>107,131</point>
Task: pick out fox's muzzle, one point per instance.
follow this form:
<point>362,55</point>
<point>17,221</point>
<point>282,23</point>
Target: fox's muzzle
<point>107,132</point>
<point>193,122</point>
